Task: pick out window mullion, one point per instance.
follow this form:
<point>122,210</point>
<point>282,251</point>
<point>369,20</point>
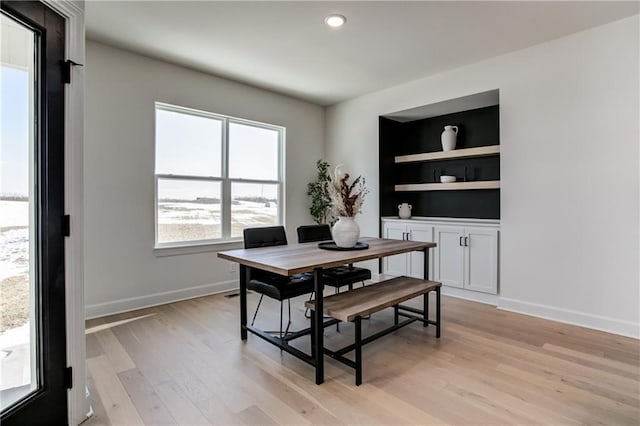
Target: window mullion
<point>226,183</point>
<point>281,188</point>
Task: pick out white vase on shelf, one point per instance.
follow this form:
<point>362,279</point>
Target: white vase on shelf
<point>345,232</point>
<point>448,138</point>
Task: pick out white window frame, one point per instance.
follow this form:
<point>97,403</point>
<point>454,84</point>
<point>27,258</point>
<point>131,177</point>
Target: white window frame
<point>224,179</point>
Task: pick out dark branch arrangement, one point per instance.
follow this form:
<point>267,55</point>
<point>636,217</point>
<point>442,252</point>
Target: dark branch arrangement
<point>346,198</point>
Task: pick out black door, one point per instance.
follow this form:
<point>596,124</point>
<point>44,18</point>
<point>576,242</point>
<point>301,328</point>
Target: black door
<point>32,277</point>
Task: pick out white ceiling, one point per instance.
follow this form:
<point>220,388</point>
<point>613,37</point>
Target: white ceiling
<point>287,48</point>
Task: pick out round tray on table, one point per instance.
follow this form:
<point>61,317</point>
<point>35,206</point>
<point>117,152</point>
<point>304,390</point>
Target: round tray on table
<point>330,245</point>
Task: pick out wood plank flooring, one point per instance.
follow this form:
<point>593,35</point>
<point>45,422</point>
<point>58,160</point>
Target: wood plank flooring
<point>184,363</point>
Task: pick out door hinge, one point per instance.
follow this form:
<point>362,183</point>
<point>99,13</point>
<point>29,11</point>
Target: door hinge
<point>66,70</point>
<point>68,377</point>
<point>66,225</point>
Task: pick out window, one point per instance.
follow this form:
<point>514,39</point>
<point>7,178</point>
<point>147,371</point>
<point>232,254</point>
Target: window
<point>215,176</point>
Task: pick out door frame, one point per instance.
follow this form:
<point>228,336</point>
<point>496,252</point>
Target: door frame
<point>78,402</point>
<point>78,405</point>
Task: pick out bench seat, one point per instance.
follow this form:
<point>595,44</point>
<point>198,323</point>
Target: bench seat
<point>351,306</point>
<point>373,298</point>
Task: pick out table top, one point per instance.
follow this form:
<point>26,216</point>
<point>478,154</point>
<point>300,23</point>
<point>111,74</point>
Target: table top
<point>297,258</point>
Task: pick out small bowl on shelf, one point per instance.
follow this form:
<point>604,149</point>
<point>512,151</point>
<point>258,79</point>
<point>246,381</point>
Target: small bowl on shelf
<point>447,179</point>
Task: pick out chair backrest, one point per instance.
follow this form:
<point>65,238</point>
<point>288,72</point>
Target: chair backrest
<point>265,237</point>
<point>310,233</point>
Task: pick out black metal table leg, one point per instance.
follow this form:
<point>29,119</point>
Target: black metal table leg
<point>243,302</point>
<point>425,309</point>
<point>358,350</point>
<point>438,312</point>
<point>426,263</point>
<point>318,333</point>
<point>396,315</point>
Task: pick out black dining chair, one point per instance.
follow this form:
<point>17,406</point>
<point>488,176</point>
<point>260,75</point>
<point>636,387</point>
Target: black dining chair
<point>266,283</point>
<point>339,276</point>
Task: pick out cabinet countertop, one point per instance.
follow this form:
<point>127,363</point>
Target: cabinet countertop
<point>444,220</point>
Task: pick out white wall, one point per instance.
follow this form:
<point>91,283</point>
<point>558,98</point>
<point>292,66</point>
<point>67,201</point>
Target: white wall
<point>569,169</point>
<point>121,270</point>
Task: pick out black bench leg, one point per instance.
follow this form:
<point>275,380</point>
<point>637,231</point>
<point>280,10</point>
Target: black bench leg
<point>358,350</point>
<point>396,316</point>
<point>438,312</point>
<point>425,309</point>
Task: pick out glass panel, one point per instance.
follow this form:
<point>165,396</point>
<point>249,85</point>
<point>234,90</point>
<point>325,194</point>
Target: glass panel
<point>188,210</point>
<point>188,144</point>
<point>18,321</point>
<point>253,204</point>
<point>253,152</point>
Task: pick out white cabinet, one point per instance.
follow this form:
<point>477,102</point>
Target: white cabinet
<point>409,264</point>
<point>467,258</point>
<point>448,258</point>
<point>466,255</point>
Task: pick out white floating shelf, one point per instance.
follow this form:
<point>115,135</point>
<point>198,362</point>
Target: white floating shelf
<point>455,186</point>
<point>481,151</point>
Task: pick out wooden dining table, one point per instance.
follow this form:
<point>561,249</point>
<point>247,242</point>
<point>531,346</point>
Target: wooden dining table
<point>294,259</point>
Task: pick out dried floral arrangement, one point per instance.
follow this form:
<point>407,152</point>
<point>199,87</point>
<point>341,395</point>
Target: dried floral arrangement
<point>346,198</point>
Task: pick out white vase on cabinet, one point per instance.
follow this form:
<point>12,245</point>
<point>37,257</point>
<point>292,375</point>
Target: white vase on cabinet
<point>404,210</point>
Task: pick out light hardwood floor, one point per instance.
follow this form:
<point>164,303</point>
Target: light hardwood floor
<point>184,363</point>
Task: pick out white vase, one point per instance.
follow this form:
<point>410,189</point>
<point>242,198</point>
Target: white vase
<point>345,232</point>
<point>448,138</point>
<point>404,211</point>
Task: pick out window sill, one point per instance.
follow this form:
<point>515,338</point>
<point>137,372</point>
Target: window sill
<point>182,249</point>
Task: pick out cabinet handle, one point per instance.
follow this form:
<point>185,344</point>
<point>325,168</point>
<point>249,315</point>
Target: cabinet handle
<point>408,236</point>
<point>460,243</point>
<point>466,241</point>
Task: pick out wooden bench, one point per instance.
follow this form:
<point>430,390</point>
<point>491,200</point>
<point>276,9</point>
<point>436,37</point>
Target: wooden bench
<point>351,306</point>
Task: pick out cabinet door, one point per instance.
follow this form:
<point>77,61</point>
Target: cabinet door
<point>449,256</point>
<point>481,260</point>
<point>394,265</point>
<point>423,233</point>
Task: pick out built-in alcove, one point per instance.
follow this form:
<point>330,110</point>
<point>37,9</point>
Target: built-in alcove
<point>412,160</point>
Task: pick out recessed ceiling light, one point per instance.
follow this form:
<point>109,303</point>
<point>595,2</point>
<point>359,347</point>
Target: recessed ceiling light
<point>335,20</point>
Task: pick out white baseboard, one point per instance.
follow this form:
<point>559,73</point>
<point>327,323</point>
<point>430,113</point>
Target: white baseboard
<point>474,296</point>
<point>607,324</point>
<point>597,322</point>
<point>460,293</point>
<point>133,303</point>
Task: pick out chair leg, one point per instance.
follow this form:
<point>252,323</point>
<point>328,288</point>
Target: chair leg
<point>281,319</point>
<point>308,315</point>
<point>257,307</point>
<point>286,331</point>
